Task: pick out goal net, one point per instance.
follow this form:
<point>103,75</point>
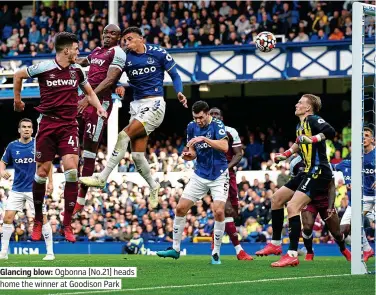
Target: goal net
<point>363,114</point>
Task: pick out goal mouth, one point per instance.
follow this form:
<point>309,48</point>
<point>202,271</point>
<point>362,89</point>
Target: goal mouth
<point>363,114</point>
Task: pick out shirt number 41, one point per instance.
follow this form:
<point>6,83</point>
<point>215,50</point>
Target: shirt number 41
<point>72,142</point>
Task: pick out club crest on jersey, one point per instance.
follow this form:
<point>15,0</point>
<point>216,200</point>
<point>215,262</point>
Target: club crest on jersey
<point>72,74</point>
<point>150,60</point>
<point>208,135</point>
<point>129,63</point>
<point>38,155</point>
<point>52,76</point>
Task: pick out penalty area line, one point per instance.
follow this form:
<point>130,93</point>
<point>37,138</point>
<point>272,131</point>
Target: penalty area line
<point>203,285</point>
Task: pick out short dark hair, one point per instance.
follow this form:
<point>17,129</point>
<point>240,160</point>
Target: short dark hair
<point>132,30</point>
<point>199,106</point>
<point>24,120</point>
<point>64,39</point>
<point>370,130</point>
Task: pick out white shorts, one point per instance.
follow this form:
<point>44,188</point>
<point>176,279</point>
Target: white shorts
<point>149,111</point>
<point>197,187</point>
<point>369,203</point>
<point>18,201</point>
<point>346,218</point>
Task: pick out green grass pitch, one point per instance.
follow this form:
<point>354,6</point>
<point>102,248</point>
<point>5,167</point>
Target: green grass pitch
<point>194,275</point>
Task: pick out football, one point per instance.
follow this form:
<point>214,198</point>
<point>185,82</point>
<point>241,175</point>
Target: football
<point>265,41</point>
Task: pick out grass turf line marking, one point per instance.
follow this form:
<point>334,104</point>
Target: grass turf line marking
<point>202,285</point>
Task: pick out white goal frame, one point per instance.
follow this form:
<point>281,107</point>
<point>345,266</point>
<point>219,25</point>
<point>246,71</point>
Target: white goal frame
<point>359,12</point>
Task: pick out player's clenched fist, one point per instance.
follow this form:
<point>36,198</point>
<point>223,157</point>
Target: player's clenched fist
<point>19,106</point>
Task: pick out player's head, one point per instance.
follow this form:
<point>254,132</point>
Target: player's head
<point>200,112</point>
<point>308,104</point>
<point>25,128</point>
<point>216,113</point>
<point>67,44</point>
<point>133,38</point>
<point>111,35</point>
<point>368,137</point>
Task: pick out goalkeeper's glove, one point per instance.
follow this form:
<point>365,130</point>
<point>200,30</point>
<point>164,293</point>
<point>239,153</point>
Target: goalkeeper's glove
<point>304,139</point>
<point>281,157</point>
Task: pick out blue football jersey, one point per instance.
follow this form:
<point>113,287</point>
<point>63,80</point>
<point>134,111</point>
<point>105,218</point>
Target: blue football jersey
<point>369,173</point>
<point>21,157</point>
<point>146,71</point>
<point>210,163</point>
<point>345,168</point>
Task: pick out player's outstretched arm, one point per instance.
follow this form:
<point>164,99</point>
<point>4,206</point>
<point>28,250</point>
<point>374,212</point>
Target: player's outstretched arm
<point>178,85</point>
<point>83,61</point>
<point>21,74</point>
<point>113,75</point>
<point>93,100</point>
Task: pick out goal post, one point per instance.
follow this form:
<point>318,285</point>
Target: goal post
<point>360,11</point>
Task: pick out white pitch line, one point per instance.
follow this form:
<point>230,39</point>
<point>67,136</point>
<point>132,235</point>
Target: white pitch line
<point>50,261</point>
<point>202,285</point>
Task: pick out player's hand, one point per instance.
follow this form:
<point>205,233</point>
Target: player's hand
<point>303,139</point>
<point>19,106</point>
<point>188,156</point>
<point>83,104</point>
<point>5,174</point>
<point>183,99</point>
<point>279,157</point>
<point>50,189</point>
<point>120,91</point>
<point>102,112</point>
<point>331,212</point>
<point>195,140</point>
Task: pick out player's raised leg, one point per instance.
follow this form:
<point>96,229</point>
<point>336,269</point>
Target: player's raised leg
<point>142,123</point>
<point>138,147</point>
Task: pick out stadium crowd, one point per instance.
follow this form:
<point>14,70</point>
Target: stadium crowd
<point>177,24</point>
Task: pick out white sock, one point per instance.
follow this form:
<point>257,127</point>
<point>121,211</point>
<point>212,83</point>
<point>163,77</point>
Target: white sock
<point>366,246</point>
<point>143,168</point>
<point>219,229</point>
<point>238,248</point>
<point>292,253</point>
<point>179,224</point>
<point>47,234</point>
<point>81,201</point>
<point>276,242</point>
<point>117,154</point>
<point>7,233</point>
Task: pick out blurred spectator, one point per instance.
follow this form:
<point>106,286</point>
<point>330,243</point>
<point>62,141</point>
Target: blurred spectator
<point>336,35</point>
